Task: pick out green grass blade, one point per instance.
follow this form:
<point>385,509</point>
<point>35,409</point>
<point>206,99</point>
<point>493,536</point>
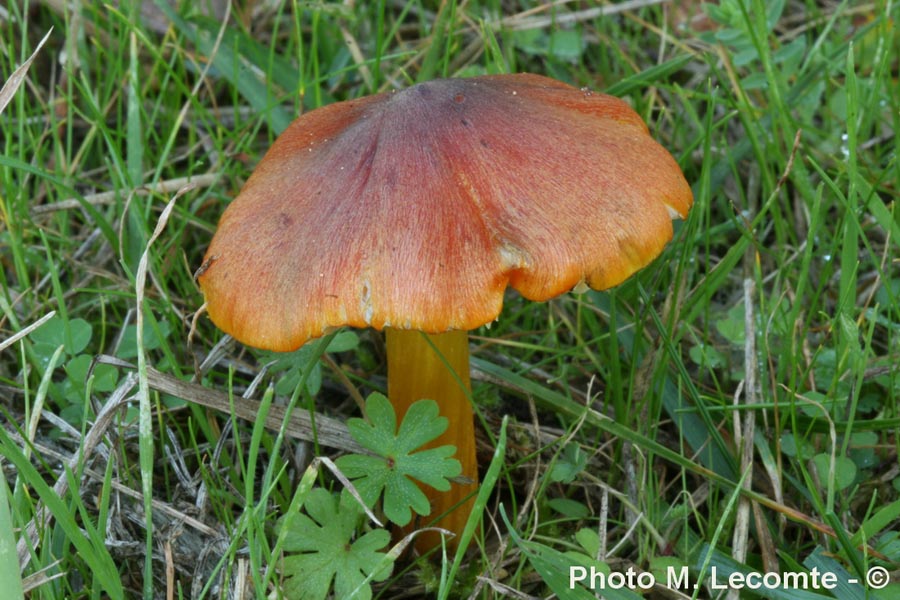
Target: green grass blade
<point>654,74</point>
<point>96,557</point>
<point>231,64</point>
<point>485,490</point>
<point>572,409</point>
<point>9,560</point>
<point>844,589</point>
<point>553,567</point>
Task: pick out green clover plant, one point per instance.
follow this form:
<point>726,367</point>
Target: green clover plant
<point>74,336</point>
<point>395,464</point>
<point>325,550</point>
<point>322,545</point>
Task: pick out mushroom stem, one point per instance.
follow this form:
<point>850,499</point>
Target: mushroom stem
<point>438,370</point>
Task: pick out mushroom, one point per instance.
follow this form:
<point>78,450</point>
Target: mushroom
<point>412,211</point>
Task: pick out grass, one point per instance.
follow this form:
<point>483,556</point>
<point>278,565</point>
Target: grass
<point>733,405</point>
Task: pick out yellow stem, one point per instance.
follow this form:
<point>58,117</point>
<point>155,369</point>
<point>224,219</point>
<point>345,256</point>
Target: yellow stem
<point>416,371</point>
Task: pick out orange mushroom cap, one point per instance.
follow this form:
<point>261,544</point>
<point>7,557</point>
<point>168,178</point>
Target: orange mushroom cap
<point>416,209</point>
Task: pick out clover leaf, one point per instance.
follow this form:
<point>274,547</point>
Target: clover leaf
<point>569,464</point>
<point>396,463</point>
<point>326,551</point>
